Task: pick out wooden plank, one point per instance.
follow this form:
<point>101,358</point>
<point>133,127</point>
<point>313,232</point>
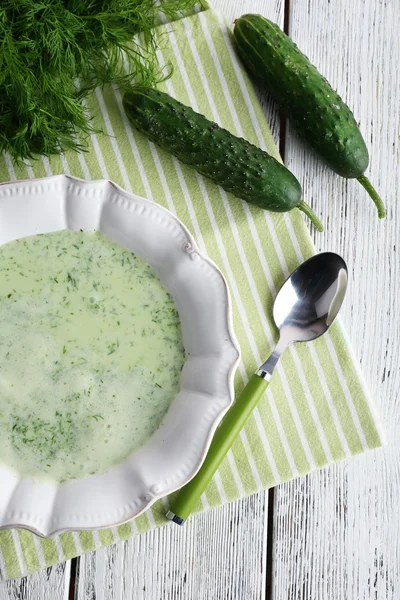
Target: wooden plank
<point>272,9</point>
<point>218,554</point>
<point>50,584</point>
<point>337,532</point>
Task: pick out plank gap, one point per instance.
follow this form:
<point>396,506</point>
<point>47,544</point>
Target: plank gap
<point>72,579</point>
<point>286,17</point>
<point>282,118</point>
<point>270,545</point>
<point>271,492</point>
<point>282,134</point>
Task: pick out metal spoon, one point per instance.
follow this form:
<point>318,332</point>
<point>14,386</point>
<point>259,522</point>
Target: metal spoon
<point>305,307</point>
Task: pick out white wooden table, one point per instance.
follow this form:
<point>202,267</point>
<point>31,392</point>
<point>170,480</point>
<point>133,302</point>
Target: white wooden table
<point>336,533</point>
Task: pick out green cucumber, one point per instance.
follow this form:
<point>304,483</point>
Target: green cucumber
<point>231,162</point>
<point>316,111</point>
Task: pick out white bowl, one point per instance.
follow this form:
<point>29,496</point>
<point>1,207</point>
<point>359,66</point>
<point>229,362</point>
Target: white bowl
<point>175,452</point>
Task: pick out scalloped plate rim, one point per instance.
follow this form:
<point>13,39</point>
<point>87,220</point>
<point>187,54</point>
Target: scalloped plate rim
<point>234,346</point>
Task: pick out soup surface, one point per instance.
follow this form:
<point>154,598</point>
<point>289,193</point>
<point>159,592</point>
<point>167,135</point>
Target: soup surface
<point>90,354</point>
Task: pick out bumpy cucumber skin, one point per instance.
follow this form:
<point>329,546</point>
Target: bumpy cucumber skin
<point>233,163</point>
<point>316,111</point>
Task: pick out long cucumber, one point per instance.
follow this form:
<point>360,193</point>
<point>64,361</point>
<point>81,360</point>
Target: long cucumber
<point>231,162</point>
<point>316,111</point>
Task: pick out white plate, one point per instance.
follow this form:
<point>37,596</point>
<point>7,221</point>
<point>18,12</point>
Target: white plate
<point>175,452</point>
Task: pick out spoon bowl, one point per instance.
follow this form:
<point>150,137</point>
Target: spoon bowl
<point>311,297</point>
<point>307,304</point>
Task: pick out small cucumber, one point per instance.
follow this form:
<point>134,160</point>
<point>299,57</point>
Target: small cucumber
<point>316,111</point>
<point>231,162</point>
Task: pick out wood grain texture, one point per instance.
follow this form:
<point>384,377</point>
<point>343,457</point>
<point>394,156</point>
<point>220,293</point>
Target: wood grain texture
<point>337,532</point>
<point>274,10</point>
<point>219,554</point>
<point>50,584</point>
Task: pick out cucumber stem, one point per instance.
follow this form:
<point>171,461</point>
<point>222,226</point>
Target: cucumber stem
<point>307,210</point>
<point>365,182</point>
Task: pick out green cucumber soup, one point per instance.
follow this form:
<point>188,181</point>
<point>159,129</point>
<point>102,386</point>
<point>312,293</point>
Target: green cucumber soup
<point>90,354</point>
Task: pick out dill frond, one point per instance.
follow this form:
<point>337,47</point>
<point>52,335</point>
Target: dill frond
<point>53,53</point>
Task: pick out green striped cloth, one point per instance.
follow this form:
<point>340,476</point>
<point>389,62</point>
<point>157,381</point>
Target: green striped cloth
<point>316,410</point>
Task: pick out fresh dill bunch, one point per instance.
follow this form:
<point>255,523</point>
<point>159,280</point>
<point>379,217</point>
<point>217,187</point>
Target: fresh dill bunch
<point>53,53</point>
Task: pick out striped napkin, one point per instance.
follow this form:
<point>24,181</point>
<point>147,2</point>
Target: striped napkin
<point>317,409</point>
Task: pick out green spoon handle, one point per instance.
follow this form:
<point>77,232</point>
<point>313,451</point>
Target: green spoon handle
<point>223,439</point>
